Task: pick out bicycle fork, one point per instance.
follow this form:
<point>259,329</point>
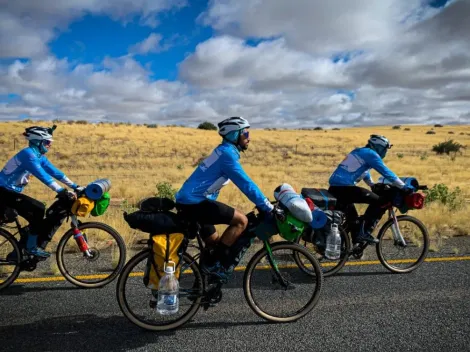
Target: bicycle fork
<point>397,236</point>
<point>80,239</point>
<point>277,277</point>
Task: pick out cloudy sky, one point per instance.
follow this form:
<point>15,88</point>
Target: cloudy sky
<point>300,63</point>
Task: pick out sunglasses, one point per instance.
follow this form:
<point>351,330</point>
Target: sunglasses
<point>246,134</point>
<point>47,143</point>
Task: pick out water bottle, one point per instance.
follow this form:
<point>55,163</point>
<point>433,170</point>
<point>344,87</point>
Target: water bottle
<point>168,288</point>
<point>333,243</point>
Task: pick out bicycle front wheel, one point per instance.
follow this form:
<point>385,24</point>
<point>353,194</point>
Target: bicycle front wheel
<point>276,289</point>
<point>10,257</point>
<point>108,255</point>
<point>135,299</point>
<point>399,257</point>
<point>329,267</point>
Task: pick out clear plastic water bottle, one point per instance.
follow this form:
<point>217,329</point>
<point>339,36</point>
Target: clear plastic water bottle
<point>168,290</point>
<point>333,243</point>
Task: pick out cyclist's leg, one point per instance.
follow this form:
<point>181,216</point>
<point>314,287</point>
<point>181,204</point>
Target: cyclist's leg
<point>30,209</point>
<point>359,195</point>
<point>55,216</point>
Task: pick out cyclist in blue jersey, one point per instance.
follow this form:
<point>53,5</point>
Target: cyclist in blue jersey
<point>356,167</point>
<point>14,177</point>
<point>196,199</point>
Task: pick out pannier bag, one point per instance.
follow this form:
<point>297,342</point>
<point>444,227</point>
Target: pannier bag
<point>294,202</point>
<point>101,205</point>
<point>320,197</point>
<point>82,206</point>
<point>320,235</point>
<point>165,248</point>
<point>167,238</point>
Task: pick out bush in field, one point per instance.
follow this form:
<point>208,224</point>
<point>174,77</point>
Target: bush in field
<point>207,126</point>
<point>165,190</point>
<point>397,127</point>
<point>153,125</point>
<point>407,129</point>
<point>453,199</point>
<point>430,132</point>
<point>448,147</point>
<point>318,128</point>
<point>438,125</point>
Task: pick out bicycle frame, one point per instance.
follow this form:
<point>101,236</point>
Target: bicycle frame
<point>79,237</point>
<point>213,294</point>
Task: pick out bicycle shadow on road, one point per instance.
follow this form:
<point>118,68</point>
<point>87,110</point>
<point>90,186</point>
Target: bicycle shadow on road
<point>86,332</point>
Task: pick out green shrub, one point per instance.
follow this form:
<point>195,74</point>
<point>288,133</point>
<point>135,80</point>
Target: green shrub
<point>165,190</point>
<point>153,125</point>
<point>438,125</point>
<point>397,127</point>
<point>318,128</point>
<point>430,132</point>
<point>81,122</point>
<point>207,126</point>
<point>453,199</point>
<point>448,147</point>
<point>400,155</point>
<point>407,129</point>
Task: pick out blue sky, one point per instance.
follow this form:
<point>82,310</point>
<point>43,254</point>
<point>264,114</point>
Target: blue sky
<point>296,63</point>
<point>91,38</point>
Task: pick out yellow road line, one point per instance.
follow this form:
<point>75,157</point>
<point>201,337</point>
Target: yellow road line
<point>242,268</point>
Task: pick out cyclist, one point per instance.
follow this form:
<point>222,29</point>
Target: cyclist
<point>32,161</point>
<point>356,167</point>
<point>197,197</point>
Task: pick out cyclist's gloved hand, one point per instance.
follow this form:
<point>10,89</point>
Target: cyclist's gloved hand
<point>278,213</point>
<point>407,189</point>
<point>66,194</point>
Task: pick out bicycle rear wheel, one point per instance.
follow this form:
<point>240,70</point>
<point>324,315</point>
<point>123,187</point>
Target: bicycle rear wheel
<point>9,268</point>
<point>134,297</point>
<point>329,267</point>
<point>398,257</point>
<point>108,256</point>
<point>273,281</point>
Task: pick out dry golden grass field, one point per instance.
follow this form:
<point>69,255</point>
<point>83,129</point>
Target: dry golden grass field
<point>137,158</point>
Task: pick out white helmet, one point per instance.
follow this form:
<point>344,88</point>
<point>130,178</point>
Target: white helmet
<point>37,133</point>
<point>380,144</point>
<point>232,124</point>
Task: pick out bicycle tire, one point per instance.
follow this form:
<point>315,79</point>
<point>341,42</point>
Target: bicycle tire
<point>16,272</point>
<point>334,269</point>
<point>124,306</point>
<point>106,280</point>
<point>422,256</point>
<point>318,278</point>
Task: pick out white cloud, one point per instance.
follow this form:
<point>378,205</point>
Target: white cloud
<point>27,26</point>
<point>151,44</point>
<point>411,65</point>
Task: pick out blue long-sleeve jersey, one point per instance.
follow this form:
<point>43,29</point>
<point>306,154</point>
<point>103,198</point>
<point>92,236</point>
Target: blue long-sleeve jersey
<point>356,167</point>
<point>216,171</point>
<point>29,161</point>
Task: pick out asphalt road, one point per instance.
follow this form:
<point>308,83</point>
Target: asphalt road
<point>364,308</point>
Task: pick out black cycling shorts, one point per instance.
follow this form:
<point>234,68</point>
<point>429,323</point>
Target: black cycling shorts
<point>207,213</point>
